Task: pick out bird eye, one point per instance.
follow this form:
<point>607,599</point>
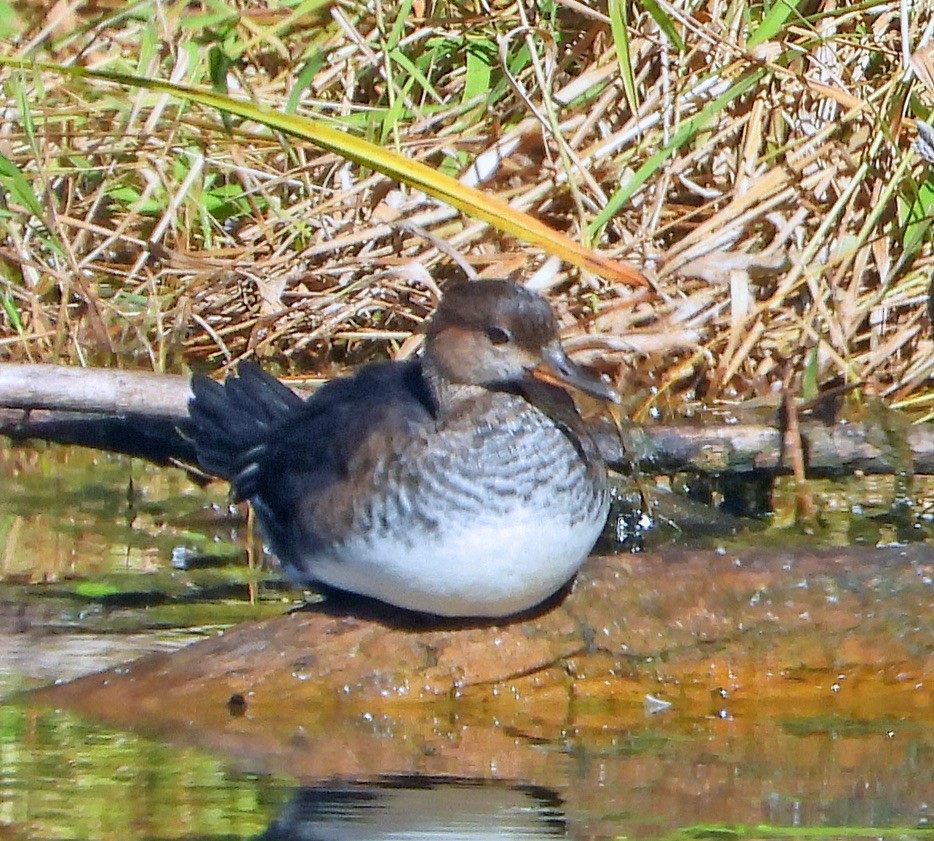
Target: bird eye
<point>497,335</point>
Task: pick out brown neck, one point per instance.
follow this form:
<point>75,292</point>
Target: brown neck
<point>447,395</point>
<point>553,401</point>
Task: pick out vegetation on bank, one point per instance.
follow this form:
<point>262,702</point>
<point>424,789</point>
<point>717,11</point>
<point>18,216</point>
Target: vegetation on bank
<point>754,160</point>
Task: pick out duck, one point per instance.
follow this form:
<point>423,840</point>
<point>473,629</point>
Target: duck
<point>461,483</point>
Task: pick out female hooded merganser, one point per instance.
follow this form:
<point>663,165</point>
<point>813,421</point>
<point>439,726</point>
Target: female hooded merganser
<point>462,483</point>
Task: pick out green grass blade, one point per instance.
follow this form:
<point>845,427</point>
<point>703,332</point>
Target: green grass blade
<point>304,80</point>
<point>685,132</point>
<point>665,23</point>
<point>10,22</point>
<point>490,209</point>
<point>16,184</point>
<point>773,22</point>
<point>623,54</point>
<point>398,26</point>
<point>400,58</point>
<point>810,376</point>
<point>916,217</point>
<point>479,69</point>
<point>12,313</point>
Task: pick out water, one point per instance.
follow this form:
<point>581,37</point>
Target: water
<point>87,544</point>
<point>62,777</point>
<point>104,558</point>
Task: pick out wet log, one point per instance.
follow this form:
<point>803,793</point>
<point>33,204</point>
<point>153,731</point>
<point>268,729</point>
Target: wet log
<point>350,687</point>
<point>145,414</point>
<point>838,449</point>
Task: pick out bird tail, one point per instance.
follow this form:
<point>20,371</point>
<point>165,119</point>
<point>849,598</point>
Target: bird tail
<point>232,422</point>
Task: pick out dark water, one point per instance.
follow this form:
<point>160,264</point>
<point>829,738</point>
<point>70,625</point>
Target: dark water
<point>102,559</point>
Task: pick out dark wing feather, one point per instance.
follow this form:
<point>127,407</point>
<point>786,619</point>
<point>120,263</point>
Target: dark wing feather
<point>232,418</point>
<point>276,448</point>
<point>313,450</point>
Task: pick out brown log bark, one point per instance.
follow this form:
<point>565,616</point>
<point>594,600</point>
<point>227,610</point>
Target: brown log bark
<point>710,632</point>
<point>146,415</point>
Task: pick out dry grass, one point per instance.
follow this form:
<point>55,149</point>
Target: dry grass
<point>755,162</point>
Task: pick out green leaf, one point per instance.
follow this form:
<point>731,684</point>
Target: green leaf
<point>130,196</point>
<point>479,70</point>
<point>916,217</point>
<point>406,64</point>
<point>623,55</point>
<point>148,44</point>
<point>9,307</point>
<point>809,378</point>
<point>24,103</point>
<point>218,65</point>
<point>773,22</point>
<point>304,79</point>
<point>398,27</point>
<point>394,114</point>
<point>10,22</point>
<point>487,208</point>
<point>665,23</point>
<point>686,131</point>
<point>15,183</point>
<point>218,13</point>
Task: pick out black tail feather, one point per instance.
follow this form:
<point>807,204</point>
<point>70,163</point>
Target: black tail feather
<point>260,394</point>
<point>232,421</point>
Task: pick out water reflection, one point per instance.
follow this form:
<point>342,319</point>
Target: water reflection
<point>62,777</point>
<point>103,558</point>
<point>420,808</point>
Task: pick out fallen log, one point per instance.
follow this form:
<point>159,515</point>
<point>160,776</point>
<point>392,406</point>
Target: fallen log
<point>146,415</point>
<point>99,390</point>
<point>135,413</point>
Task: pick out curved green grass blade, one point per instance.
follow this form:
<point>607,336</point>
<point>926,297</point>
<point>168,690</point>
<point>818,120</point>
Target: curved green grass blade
<point>469,200</point>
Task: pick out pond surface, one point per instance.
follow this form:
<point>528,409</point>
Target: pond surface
<point>104,559</point>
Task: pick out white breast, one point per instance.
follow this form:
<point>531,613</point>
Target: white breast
<point>496,567</point>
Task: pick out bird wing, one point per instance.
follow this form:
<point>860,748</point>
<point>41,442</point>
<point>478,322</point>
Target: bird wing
<point>276,448</point>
